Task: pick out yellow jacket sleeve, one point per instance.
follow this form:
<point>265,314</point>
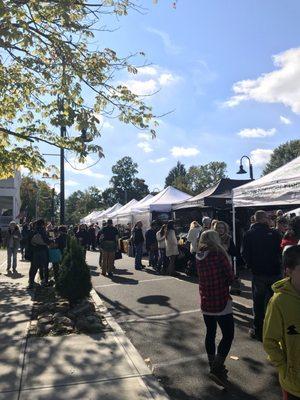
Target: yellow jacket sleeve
<point>273,333</point>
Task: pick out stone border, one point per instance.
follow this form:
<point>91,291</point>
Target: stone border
<point>150,381</point>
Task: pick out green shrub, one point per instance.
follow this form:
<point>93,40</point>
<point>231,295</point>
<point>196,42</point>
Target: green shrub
<point>74,280</point>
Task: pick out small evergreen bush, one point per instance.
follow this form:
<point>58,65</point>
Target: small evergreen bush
<point>74,280</point>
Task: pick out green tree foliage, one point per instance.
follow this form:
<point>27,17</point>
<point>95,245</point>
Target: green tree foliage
<point>283,154</point>
<point>176,176</point>
<point>202,177</point>
<point>81,203</point>
<point>74,280</point>
<point>125,186</point>
<point>48,62</point>
<point>36,199</point>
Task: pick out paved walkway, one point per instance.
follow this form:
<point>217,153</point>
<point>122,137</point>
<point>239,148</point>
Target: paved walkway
<point>104,366</point>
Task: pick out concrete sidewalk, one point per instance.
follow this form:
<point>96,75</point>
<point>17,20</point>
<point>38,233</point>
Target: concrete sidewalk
<point>101,366</point>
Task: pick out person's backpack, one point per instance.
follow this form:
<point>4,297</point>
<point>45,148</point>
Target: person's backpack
<point>37,240</point>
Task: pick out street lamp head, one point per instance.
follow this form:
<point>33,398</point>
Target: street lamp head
<point>241,170</point>
<point>45,175</point>
<point>55,177</point>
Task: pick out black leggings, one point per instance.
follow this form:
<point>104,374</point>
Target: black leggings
<point>226,324</point>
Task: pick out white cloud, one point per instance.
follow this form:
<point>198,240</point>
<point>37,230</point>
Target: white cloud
<point>70,182</point>
<point>167,79</point>
<point>142,87</point>
<point>148,70</point>
<point>83,169</point>
<point>260,157</point>
<point>285,120</point>
<point>105,124</point>
<point>144,136</point>
<point>170,47</point>
<point>278,86</point>
<point>145,146</point>
<point>256,133</point>
<point>158,160</point>
<point>177,151</point>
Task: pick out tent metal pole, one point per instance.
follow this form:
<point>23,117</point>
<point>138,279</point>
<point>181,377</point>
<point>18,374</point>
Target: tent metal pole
<point>234,235</point>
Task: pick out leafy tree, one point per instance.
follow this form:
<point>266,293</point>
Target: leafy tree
<point>48,63</point>
<point>177,173</point>
<point>36,199</point>
<point>109,197</point>
<point>125,186</point>
<point>202,177</point>
<point>283,154</point>
<point>81,203</point>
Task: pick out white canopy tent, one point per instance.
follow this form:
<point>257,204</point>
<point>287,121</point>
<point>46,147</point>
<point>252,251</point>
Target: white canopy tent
<point>124,209</point>
<point>104,215</point>
<point>162,202</point>
<point>125,216</point>
<point>280,187</point>
<point>87,219</point>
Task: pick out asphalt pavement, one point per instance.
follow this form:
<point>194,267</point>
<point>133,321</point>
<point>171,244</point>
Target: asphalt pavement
<point>161,316</point>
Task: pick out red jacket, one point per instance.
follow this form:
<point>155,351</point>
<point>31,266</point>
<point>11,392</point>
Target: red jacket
<point>289,241</point>
<point>215,276</point>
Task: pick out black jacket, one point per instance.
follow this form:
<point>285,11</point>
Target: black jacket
<point>137,236</point>
<point>150,238</point>
<point>261,250</point>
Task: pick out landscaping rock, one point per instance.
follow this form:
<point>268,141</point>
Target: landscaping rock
<point>43,329</point>
<point>45,320</point>
<point>64,321</point>
<point>84,307</point>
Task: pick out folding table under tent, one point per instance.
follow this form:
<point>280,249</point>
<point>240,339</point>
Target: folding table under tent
<point>296,211</point>
<point>158,205</point>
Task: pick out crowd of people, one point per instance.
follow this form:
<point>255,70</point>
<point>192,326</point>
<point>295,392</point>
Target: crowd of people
<point>271,252</point>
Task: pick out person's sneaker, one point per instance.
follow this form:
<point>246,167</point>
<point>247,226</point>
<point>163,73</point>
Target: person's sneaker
<point>255,335</point>
<point>219,377</point>
<point>110,274</point>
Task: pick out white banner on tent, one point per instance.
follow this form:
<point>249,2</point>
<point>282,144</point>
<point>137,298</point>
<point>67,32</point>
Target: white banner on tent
<point>280,187</point>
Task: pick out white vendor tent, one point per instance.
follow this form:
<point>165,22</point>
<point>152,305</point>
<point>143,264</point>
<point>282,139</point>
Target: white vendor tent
<point>124,209</point>
<point>104,216</point>
<point>125,216</point>
<point>161,203</point>
<point>280,187</point>
<point>87,219</point>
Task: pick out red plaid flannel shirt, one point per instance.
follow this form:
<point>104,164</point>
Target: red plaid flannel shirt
<point>215,275</point>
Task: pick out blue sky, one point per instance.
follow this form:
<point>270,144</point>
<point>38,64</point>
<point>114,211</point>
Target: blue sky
<point>229,69</point>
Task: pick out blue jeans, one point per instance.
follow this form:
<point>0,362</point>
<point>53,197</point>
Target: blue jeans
<point>261,292</point>
<point>138,255</point>
<point>162,260</point>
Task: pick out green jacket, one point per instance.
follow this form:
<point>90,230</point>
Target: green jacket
<point>281,335</point>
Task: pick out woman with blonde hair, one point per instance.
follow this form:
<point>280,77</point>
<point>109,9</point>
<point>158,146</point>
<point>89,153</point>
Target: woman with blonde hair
<point>215,276</point>
<point>226,240</point>
<point>171,247</point>
<point>193,236</point>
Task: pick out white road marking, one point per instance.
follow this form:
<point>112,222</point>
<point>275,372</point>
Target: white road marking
<point>142,281</point>
<point>159,316</point>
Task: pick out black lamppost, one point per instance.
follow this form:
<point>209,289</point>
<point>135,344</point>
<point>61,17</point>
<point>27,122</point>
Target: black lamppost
<point>55,177</point>
<point>242,170</point>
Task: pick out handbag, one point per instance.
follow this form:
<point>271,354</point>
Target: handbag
<point>55,256</point>
<point>118,255</point>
